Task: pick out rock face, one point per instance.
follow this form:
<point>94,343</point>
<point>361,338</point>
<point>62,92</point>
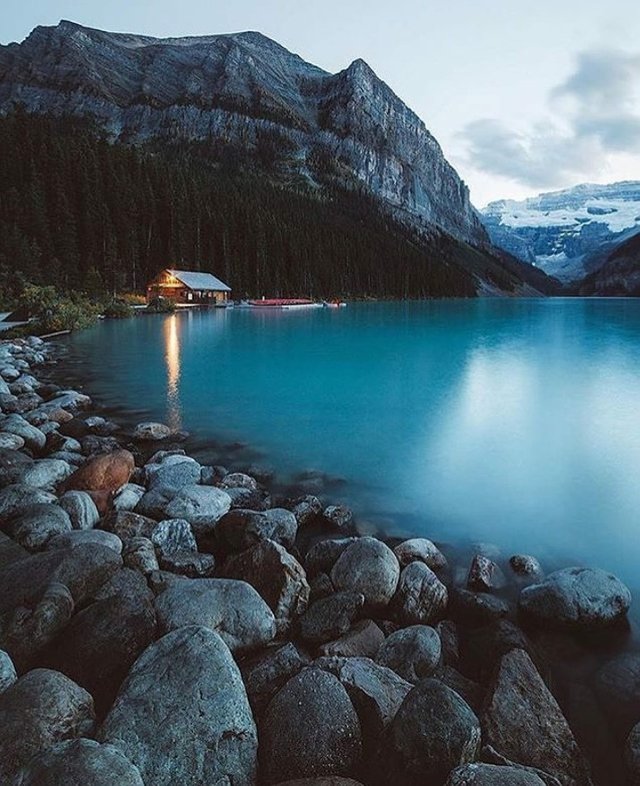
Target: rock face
<point>523,722</point>
<point>433,732</point>
<point>577,598</point>
<point>80,761</point>
<point>237,86</point>
<point>309,729</point>
<point>207,734</point>
<point>39,710</point>
<point>369,567</point>
<point>231,608</point>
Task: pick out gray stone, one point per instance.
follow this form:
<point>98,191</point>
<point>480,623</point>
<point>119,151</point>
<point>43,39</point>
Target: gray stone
<point>150,431</point>
<point>241,529</point>
<point>523,722</point>
<point>631,754</point>
<point>413,653</point>
<point>126,525</point>
<point>526,567</point>
<point>576,598</point>
<point>248,499</point>
<point>10,441</point>
<point>77,537</point>
<point>231,608</point>
<point>368,567</point>
<point>170,476</point>
<point>267,671</point>
<point>476,607</point>
<point>80,762</point>
<point>33,438</point>
<point>330,617</point>
<point>189,563</point>
<point>81,509</point>
<point>309,729</point>
<point>42,708</point>
<point>363,640</point>
<point>128,497</point>
<point>235,480</point>
<point>17,497</point>
<point>306,509</point>
<point>421,597</point>
<point>339,516</point>
<point>140,554</point>
<point>189,680</point>
<point>492,775</point>
<point>484,575</point>
<point>173,535</point>
<point>34,526</point>
<point>201,506</point>
<point>7,671</point>
<point>12,463</point>
<point>618,687</point>
<point>420,550</point>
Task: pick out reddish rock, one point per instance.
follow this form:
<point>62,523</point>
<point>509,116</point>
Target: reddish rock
<point>106,473</point>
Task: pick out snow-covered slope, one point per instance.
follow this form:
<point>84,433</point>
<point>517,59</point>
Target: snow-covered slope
<point>562,231</point>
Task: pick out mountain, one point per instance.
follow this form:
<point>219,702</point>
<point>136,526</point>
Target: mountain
<point>566,233</point>
<point>244,113</point>
<point>618,274</point>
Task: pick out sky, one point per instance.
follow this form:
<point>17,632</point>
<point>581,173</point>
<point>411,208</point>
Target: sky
<point>524,97</point>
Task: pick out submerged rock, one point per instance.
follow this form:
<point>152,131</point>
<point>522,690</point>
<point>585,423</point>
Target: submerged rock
<point>189,680</point>
<point>150,431</point>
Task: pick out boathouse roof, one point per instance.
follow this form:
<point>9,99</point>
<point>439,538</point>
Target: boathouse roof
<point>195,280</point>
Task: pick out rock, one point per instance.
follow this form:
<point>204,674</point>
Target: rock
<point>173,535</point>
<point>276,575</point>
<point>94,446</point>
<point>266,672</point>
<point>10,441</point>
<point>189,564</point>
<point>7,671</point>
<point>338,516</point>
<point>235,480</point>
<point>450,642</point>
<point>231,608</point>
<point>631,754</point>
<point>248,499</point>
<point>492,775</point>
<point>433,732</point>
<point>526,567</point>
<point>103,640</point>
<point>618,688</point>
<point>476,608</point>
<point>320,586</point>
<point>16,498</point>
<point>306,509</point>
<point>34,526</point>
<point>421,597</point>
<point>470,691</point>
<point>330,617</point>
<point>128,497</point>
<point>368,567</point>
<point>329,781</point>
<point>12,463</point>
<point>80,508</point>
<point>322,556</point>
<point>42,708</point>
<point>309,729</point>
<point>140,554</point>
<point>484,645</point>
<point>201,506</point>
<point>70,400</point>
<point>170,477</point>
<point>376,692</point>
<point>127,525</point>
<point>241,529</point>
<point>363,640</point>
<point>413,652</point>
<point>189,678</point>
<point>151,432</point>
<point>523,722</point>
<point>106,472</point>
<point>33,438</point>
<point>576,598</point>
<point>420,550</point>
<point>80,761</point>
<point>73,539</point>
<point>154,503</point>
<point>484,575</point>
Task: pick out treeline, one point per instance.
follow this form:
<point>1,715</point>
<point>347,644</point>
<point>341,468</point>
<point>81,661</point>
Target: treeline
<point>78,212</point>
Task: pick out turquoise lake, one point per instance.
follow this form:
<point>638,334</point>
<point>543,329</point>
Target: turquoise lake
<point>515,422</point>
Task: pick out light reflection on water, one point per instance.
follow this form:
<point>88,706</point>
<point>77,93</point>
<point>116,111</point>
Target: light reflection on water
<point>172,356</point>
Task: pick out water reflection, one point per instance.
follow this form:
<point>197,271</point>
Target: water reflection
<point>172,359</point>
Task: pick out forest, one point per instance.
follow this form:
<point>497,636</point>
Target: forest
<point>83,214</point>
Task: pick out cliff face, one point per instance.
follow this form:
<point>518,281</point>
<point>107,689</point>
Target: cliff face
<point>241,89</point>
<point>566,233</point>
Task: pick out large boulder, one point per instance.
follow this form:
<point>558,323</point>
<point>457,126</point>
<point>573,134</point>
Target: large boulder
<point>17,497</point>
<point>231,608</point>
<point>492,775</point>
<point>240,529</point>
<point>276,575</point>
<point>171,476</point>
<point>421,597</point>
<point>79,761</point>
<point>323,555</point>
<point>12,462</point>
<point>420,550</point>
<point>45,473</point>
<point>33,438</point>
<point>182,715</point>
<point>433,732</point>
<point>369,567</point>
<point>576,598</point>
<point>413,653</point>
<point>523,722</point>
<point>201,506</point>
<point>39,710</point>
<point>37,524</point>
<point>268,670</point>
<point>309,729</point>
<point>80,508</point>
<point>330,617</point>
<point>105,472</point>
<point>102,641</point>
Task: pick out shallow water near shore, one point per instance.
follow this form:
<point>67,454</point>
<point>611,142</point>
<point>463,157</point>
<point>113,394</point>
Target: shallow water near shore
<point>515,422</point>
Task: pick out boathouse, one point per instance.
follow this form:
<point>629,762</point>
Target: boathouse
<point>185,287</point>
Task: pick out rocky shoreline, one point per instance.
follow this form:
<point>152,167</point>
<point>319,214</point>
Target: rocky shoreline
<point>168,622</point>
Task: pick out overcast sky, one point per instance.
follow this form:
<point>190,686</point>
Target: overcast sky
<point>523,97</point>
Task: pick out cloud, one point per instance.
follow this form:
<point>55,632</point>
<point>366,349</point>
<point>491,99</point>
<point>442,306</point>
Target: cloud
<point>597,117</point>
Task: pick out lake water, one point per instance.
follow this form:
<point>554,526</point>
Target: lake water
<point>515,422</point>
